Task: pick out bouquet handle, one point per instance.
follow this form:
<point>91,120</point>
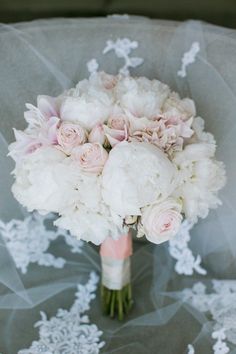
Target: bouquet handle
<point>116,289</point>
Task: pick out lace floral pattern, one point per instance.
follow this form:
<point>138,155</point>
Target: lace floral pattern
<point>92,66</point>
<point>70,331</point>
<point>188,58</point>
<point>123,48</point>
<point>220,304</point>
<point>186,263</point>
<point>191,349</point>
<point>220,347</point>
<point>28,241</point>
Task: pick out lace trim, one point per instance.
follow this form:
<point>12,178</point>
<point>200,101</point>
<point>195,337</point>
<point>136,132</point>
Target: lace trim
<point>188,58</point>
<point>191,349</point>
<point>186,263</point>
<point>92,66</point>
<point>220,347</point>
<point>220,304</point>
<point>28,241</point>
<point>123,48</point>
<point>69,332</point>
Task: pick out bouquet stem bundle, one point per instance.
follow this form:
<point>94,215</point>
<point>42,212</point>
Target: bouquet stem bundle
<point>116,289</point>
<point>116,302</point>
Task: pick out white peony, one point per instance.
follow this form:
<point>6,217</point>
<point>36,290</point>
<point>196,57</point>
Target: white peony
<point>117,132</point>
<point>89,104</point>
<point>161,221</point>
<point>85,110</point>
<point>194,152</point>
<point>201,177</point>
<point>136,175</point>
<point>200,135</point>
<point>91,226</point>
<point>45,181</point>
<point>142,97</point>
<point>174,106</point>
<point>89,191</point>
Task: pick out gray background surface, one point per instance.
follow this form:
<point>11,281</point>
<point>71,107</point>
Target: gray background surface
<point>221,12</point>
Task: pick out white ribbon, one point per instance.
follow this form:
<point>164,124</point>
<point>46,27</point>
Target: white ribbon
<point>115,272</point>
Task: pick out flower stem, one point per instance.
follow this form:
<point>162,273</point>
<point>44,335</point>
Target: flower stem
<point>116,303</point>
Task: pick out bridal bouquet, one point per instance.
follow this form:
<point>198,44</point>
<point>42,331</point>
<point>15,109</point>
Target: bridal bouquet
<point>112,154</point>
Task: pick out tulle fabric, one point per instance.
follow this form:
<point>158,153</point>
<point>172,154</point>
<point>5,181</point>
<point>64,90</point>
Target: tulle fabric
<point>48,56</point>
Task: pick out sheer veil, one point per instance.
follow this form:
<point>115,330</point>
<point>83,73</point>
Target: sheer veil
<point>48,56</point>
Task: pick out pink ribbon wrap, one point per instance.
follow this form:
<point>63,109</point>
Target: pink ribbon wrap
<point>115,257</point>
<point>117,249</point>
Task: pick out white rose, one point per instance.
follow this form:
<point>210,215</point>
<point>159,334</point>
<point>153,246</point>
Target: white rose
<point>135,175</point>
<point>142,97</point>
<point>161,221</point>
<point>45,181</point>
<point>201,177</point>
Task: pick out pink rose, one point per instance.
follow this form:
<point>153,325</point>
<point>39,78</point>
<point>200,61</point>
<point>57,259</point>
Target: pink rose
<point>117,122</point>
<point>90,157</point>
<point>70,135</point>
<point>161,221</point>
<point>116,129</point>
<point>115,136</point>
<point>97,134</point>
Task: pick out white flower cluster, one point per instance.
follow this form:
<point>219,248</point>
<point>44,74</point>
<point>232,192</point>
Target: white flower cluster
<point>113,152</point>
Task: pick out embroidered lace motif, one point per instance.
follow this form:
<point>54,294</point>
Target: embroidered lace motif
<point>123,48</point>
<point>220,304</point>
<point>28,241</point>
<point>70,331</point>
<point>188,58</point>
<point>186,263</point>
